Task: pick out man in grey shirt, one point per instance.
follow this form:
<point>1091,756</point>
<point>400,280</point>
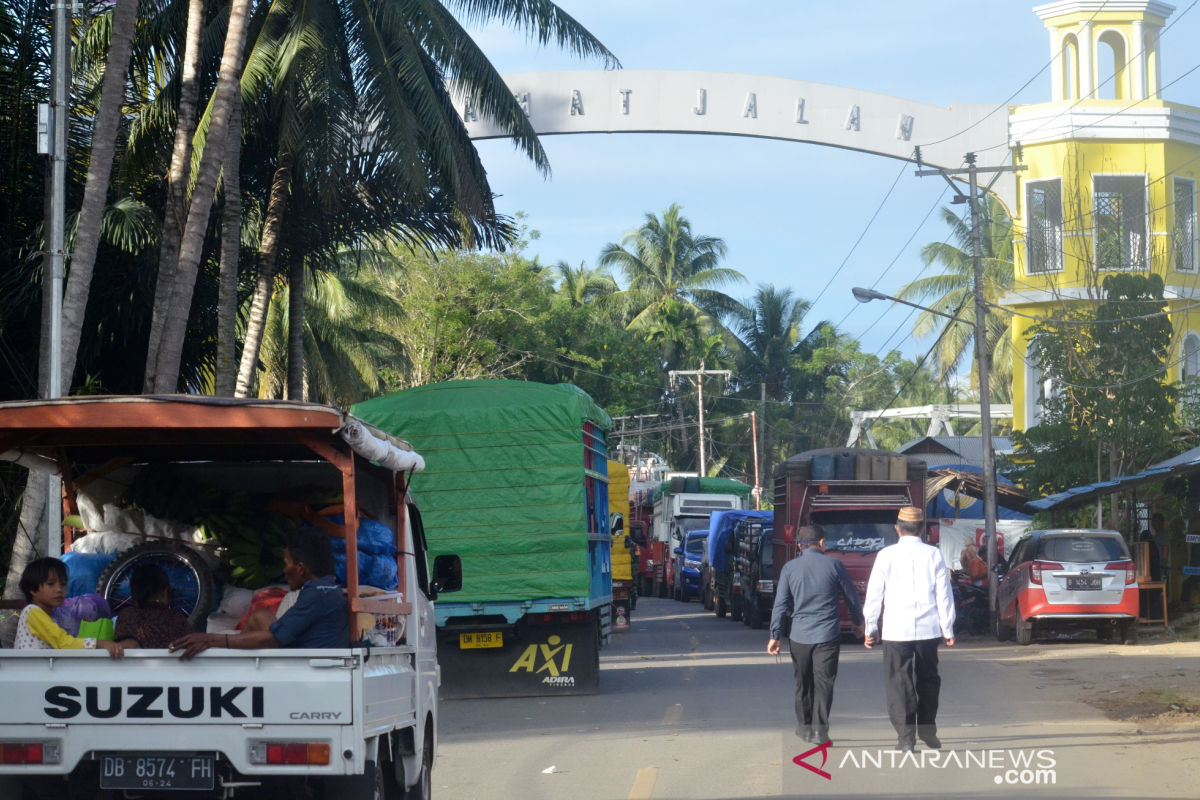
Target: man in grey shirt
<point>809,589</point>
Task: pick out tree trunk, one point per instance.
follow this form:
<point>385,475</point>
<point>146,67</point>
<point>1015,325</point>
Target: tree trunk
<point>91,213</point>
<point>30,541</point>
<point>1114,500</point>
<point>231,240</point>
<point>175,212</point>
<point>265,287</point>
<point>191,246</point>
<point>295,376</point>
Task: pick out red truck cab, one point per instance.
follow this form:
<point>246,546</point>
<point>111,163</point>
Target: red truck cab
<point>854,494</point>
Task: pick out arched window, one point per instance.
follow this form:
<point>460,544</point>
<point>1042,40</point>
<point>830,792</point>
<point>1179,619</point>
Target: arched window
<point>1111,63</point>
<point>1191,356</point>
<point>1070,61</point>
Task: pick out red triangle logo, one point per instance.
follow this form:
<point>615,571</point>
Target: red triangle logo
<point>824,749</point>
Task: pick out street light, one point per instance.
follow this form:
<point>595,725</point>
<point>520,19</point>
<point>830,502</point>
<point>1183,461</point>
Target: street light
<point>985,422</point>
<point>867,295</point>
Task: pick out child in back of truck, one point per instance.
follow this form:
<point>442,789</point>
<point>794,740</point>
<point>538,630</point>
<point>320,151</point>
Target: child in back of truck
<point>44,583</point>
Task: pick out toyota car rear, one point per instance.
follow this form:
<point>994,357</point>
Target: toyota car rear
<point>1063,579</point>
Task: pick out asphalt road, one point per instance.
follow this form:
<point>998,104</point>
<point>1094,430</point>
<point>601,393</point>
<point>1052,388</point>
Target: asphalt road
<point>691,706</point>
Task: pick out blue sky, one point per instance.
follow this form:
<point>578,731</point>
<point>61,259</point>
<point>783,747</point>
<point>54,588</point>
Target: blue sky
<point>789,212</point>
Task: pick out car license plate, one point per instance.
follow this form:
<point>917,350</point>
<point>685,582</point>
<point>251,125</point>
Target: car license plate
<point>169,771</point>
<point>470,641</point>
<point>1084,584</point>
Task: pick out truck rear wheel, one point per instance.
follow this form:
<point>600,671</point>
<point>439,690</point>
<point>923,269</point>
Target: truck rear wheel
<point>662,590</point>
<point>756,618</point>
<point>720,606</point>
<point>735,609</point>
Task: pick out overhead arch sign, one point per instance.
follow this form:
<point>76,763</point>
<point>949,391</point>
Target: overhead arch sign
<point>731,104</point>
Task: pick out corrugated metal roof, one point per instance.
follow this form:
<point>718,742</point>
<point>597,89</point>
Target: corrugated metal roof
<point>1079,495</point>
<point>964,449</point>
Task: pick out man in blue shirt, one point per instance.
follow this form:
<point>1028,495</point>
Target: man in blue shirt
<point>320,617</point>
<point>810,586</point>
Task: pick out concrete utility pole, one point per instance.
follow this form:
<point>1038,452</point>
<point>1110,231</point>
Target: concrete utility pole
<point>698,375</point>
<point>754,438</point>
<point>53,142</point>
<point>982,356</point>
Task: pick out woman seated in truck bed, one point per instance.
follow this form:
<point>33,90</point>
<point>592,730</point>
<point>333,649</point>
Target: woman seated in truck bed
<point>150,623</point>
<point>319,619</point>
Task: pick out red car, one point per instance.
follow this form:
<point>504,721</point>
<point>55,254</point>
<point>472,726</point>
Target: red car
<point>1069,579</point>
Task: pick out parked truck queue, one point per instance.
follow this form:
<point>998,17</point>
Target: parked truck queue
<point>497,499</point>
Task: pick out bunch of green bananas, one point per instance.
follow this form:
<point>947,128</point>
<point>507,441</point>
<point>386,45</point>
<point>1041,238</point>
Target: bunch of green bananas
<point>253,555</point>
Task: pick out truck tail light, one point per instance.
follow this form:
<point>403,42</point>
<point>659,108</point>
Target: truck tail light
<point>273,753</point>
<point>559,618</point>
<point>1035,570</point>
<point>28,753</point>
<point>1129,568</point>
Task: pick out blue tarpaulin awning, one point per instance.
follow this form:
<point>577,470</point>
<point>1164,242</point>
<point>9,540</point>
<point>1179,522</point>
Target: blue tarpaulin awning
<point>1082,495</point>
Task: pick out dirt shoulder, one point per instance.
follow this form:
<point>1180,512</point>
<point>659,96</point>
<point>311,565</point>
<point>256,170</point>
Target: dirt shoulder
<point>1153,683</point>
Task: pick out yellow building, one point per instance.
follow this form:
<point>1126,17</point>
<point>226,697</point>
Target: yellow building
<point>1111,179</point>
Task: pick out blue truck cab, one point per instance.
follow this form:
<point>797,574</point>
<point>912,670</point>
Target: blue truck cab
<point>687,565</point>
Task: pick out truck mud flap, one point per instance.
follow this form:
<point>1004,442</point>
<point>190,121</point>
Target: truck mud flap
<point>548,660</point>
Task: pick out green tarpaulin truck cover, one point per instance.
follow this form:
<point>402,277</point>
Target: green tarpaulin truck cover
<point>503,485</point>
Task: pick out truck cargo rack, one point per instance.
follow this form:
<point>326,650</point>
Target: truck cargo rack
<point>860,500</point>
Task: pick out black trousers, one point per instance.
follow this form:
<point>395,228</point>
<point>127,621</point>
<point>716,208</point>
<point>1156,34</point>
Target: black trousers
<point>912,685</point>
<point>816,667</point>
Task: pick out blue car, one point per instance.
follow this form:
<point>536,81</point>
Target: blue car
<point>687,565</point>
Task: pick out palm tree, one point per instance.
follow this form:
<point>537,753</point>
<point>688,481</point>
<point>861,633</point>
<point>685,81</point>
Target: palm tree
<point>581,285</point>
<point>347,340</point>
<point>95,194</point>
<point>768,327</point>
<point>388,65</point>
<point>950,292</point>
<point>195,228</point>
<point>176,205</point>
<point>664,261</point>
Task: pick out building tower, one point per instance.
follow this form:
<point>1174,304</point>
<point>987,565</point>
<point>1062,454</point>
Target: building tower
<point>1111,184</point>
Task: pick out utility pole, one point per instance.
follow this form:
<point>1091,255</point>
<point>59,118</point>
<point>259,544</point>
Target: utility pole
<point>698,375</point>
<point>53,142</point>
<point>639,417</point>
<point>754,438</point>
<point>982,356</point>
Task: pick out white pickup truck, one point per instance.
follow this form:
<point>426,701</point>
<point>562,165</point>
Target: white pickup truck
<point>354,723</point>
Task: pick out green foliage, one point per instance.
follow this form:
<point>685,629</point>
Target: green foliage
<point>950,292</point>
<point>1110,411</point>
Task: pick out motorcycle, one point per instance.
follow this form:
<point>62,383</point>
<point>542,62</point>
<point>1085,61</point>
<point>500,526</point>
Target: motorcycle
<point>970,605</point>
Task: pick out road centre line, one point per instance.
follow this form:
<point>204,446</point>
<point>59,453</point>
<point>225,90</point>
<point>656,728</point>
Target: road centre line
<point>674,715</point>
<point>643,784</point>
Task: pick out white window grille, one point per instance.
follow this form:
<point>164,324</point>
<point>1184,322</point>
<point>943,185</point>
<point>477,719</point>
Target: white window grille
<point>1185,225</point>
<point>1191,356</point>
<point>1119,220</point>
<point>1044,238</point>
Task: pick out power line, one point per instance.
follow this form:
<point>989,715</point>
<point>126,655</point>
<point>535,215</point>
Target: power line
<point>1076,128</point>
<point>836,272</point>
<point>928,214</point>
<point>1149,376</point>
<point>1025,85</point>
